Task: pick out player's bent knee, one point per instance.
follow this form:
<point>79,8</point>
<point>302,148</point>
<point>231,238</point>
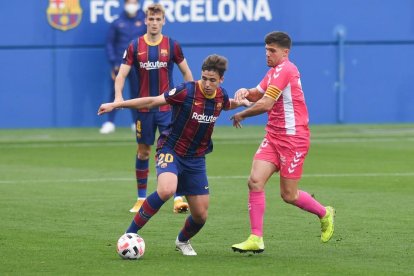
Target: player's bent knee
<point>165,193</point>
<point>142,155</point>
<point>289,197</point>
<point>254,184</point>
<point>143,152</point>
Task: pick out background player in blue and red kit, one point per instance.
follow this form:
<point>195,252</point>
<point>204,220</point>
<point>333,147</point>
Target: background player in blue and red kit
<point>153,55</point>
<point>129,25</point>
<point>182,148</point>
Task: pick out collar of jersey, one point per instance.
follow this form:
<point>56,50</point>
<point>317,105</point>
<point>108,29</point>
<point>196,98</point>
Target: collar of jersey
<point>282,61</point>
<point>152,43</point>
<point>212,96</point>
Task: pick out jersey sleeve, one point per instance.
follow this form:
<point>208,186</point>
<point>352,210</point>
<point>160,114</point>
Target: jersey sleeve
<point>279,80</point>
<point>178,55</point>
<point>262,86</point>
<point>226,100</point>
<point>128,57</point>
<point>177,95</point>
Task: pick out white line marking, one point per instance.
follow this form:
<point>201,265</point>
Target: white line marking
<point>216,142</point>
<point>67,145</point>
<point>125,179</point>
<point>220,133</point>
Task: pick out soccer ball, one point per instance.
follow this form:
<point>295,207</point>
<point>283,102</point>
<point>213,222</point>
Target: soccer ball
<point>131,246</point>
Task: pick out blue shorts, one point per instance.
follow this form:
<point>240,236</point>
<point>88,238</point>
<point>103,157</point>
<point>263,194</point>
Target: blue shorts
<point>191,171</point>
<point>147,123</point>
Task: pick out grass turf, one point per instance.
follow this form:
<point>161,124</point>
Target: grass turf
<point>65,196</point>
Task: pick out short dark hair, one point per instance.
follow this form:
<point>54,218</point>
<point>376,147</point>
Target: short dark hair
<point>279,38</point>
<point>215,63</point>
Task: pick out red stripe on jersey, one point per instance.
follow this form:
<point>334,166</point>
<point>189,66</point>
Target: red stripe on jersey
<point>205,142</point>
<point>178,54</point>
<point>129,58</point>
<point>144,82</point>
<point>194,118</point>
<point>191,126</point>
<point>163,73</point>
<point>218,107</point>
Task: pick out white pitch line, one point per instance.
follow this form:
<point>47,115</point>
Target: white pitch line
<point>67,145</point>
<point>240,142</point>
<point>125,179</point>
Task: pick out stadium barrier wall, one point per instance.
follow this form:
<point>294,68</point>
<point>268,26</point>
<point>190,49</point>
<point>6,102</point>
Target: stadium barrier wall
<point>58,78</point>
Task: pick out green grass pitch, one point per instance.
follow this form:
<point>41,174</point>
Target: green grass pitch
<point>65,196</point>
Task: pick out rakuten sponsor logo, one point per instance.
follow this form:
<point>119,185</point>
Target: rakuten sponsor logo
<point>204,119</point>
<point>151,65</point>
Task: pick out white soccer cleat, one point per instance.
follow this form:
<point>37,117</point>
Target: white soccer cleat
<point>185,248</point>
<point>107,127</point>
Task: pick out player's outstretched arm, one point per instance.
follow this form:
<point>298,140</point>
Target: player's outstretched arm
<point>252,94</point>
<point>235,104</point>
<point>120,81</point>
<point>261,106</point>
<point>138,103</point>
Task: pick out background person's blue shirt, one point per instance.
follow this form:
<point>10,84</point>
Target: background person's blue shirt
<point>121,32</point>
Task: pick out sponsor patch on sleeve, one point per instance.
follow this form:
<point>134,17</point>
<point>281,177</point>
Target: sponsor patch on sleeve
<point>172,91</point>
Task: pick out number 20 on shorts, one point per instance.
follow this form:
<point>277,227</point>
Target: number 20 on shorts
<point>165,158</point>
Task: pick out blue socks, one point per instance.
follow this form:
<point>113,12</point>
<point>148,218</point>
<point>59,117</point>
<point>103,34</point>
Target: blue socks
<point>141,173</point>
<point>149,208</point>
<point>189,230</point>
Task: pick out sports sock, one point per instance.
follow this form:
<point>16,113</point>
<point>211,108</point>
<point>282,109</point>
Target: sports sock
<point>141,173</point>
<point>149,208</point>
<point>190,229</point>
<point>306,202</point>
<point>257,206</point>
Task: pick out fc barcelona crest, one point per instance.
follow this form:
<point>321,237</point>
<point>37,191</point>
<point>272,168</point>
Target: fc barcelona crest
<point>64,14</point>
<point>164,52</point>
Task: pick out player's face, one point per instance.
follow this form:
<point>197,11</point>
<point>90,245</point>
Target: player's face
<point>275,54</point>
<point>210,80</point>
<point>154,22</point>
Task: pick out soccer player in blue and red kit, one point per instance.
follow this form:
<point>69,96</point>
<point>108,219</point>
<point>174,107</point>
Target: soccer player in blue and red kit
<point>129,25</point>
<point>153,56</point>
<point>182,148</point>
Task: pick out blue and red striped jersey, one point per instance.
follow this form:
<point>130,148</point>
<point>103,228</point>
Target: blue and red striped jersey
<point>193,118</point>
<point>154,63</point>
